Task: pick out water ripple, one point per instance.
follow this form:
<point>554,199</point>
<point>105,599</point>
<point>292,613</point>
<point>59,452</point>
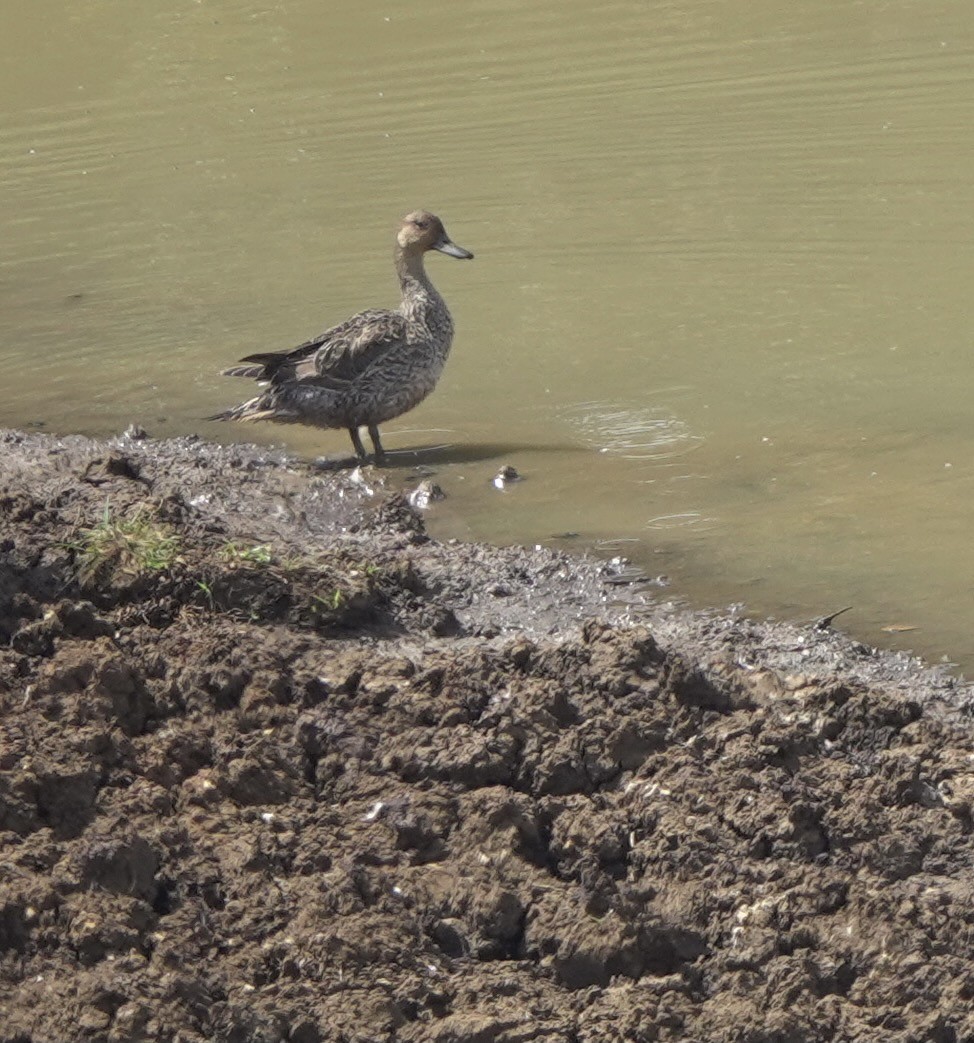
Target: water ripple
<point>637,432</point>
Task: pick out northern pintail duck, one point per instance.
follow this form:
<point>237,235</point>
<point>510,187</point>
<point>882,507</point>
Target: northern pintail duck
<point>374,366</point>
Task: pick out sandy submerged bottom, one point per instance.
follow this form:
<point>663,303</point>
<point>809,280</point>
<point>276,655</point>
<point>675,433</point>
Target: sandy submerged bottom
<point>275,766</point>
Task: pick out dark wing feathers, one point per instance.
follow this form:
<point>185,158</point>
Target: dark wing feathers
<point>333,358</point>
<point>349,350</point>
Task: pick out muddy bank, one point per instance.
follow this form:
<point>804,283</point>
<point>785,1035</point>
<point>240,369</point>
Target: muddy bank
<point>276,766</point>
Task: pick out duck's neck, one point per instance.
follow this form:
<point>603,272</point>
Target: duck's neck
<point>418,293</point>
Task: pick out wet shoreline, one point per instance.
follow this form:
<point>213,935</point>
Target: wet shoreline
<point>263,495</point>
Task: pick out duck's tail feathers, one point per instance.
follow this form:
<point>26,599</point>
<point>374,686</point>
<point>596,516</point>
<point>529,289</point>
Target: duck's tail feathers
<point>256,372</point>
<point>261,366</point>
<point>249,412</point>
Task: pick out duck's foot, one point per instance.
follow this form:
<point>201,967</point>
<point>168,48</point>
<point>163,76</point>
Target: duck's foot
<point>380,453</point>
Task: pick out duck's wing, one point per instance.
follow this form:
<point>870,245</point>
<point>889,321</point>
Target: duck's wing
<point>335,357</point>
<point>348,350</point>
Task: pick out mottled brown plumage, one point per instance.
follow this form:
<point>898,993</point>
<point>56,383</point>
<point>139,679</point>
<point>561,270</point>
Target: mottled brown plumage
<point>374,366</point>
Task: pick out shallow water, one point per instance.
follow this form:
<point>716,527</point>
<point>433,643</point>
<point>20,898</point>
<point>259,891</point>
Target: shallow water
<point>720,312</point>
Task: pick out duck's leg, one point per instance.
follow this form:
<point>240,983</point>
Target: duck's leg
<point>357,442</point>
<point>380,453</point>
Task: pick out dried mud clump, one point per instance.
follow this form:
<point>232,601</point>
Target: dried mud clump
<point>236,805</point>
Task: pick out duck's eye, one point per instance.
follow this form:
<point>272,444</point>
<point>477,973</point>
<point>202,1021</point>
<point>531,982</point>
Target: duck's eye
<point>421,225</point>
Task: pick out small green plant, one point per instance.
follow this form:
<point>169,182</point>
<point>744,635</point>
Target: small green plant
<point>330,603</point>
<point>207,593</point>
<point>131,545</point>
<point>258,555</point>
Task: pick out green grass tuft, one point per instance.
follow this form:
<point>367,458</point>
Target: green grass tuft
<point>131,545</point>
<point>234,553</point>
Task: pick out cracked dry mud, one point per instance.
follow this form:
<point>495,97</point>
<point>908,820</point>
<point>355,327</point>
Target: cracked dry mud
<point>320,778</point>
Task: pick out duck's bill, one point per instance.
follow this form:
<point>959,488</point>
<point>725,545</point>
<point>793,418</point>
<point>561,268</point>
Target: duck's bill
<point>450,248</point>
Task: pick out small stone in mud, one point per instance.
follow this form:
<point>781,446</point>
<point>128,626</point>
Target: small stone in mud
<point>505,475</point>
<point>135,433</point>
<point>358,479</point>
<point>424,494</point>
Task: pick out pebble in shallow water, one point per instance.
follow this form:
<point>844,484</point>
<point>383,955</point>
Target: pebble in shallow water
<point>505,476</point>
<point>425,493</point>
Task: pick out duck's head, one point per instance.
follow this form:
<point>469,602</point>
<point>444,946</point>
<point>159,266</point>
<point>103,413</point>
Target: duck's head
<point>421,231</point>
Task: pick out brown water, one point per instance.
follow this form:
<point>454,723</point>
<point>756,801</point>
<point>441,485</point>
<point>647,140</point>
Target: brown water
<point>720,316</point>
